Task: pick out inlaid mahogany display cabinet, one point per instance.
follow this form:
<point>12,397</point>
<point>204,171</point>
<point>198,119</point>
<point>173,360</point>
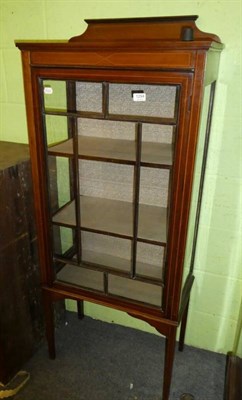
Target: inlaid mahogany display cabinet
<point>117,118</point>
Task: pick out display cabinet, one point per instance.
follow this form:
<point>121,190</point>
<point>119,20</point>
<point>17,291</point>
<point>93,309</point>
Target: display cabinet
<point>117,119</point>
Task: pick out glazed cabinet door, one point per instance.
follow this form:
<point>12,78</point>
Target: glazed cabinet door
<point>110,150</point>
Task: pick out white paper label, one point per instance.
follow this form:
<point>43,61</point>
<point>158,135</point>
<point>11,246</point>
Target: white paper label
<point>139,96</point>
<point>48,90</point>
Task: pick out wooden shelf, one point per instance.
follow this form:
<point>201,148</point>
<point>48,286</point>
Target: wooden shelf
<point>106,260</point>
<point>118,286</point>
<point>135,290</point>
<point>120,151</point>
<point>159,154</point>
<point>121,264</point>
<point>79,276</point>
<point>113,217</point>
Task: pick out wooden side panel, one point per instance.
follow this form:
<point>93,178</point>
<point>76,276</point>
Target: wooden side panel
<point>21,326</point>
<point>182,194</point>
<point>21,322</point>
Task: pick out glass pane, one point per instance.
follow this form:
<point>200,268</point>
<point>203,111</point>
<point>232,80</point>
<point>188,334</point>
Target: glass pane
<point>106,129</point>
<point>157,145</point>
<point>64,186</point>
<point>154,186</point>
<point>135,290</point>
<point>106,251</point>
<point>56,129</point>
<point>60,189</point>
<point>106,180</point>
<point>64,242</point>
<point>196,182</point>
<point>80,276</point>
<point>149,260</point>
<point>157,133</point>
<point>89,97</point>
<point>106,199</point>
<point>106,140</point>
<point>155,100</point>
<point>54,95</point>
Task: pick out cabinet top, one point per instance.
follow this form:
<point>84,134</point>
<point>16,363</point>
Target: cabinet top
<point>153,33</point>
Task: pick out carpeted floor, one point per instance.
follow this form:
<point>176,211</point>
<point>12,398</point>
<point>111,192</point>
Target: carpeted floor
<point>100,361</point>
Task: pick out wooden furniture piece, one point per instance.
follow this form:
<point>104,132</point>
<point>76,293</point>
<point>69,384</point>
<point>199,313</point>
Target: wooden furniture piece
<point>21,315</point>
<point>115,116</point>
<point>233,374</point>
